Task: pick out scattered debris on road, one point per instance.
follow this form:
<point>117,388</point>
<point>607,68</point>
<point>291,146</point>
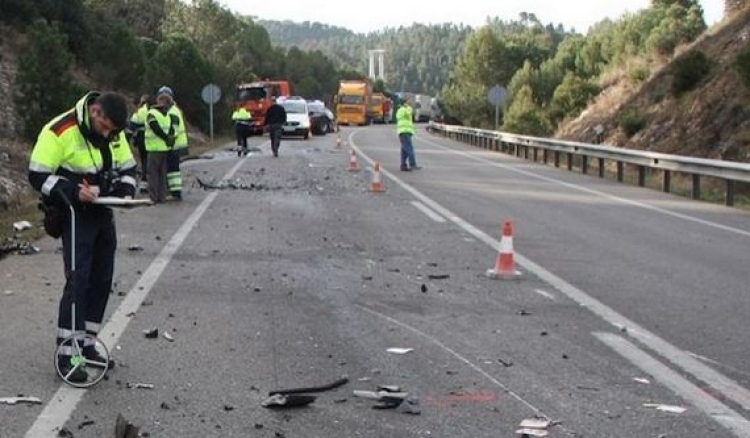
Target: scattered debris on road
<point>665,408</point>
<point>535,427</point>
<point>20,400</point>
<point>135,248</point>
<point>139,385</point>
<point>285,401</point>
<point>151,333</point>
<point>168,337</point>
<point>397,350</point>
<point>123,429</point>
<point>438,276</point>
<point>642,380</point>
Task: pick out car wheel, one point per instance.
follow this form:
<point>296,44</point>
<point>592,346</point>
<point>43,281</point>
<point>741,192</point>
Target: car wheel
<point>307,135</point>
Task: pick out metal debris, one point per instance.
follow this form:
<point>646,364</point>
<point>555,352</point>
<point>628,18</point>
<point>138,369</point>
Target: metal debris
<point>20,400</point>
<point>151,333</point>
<point>438,276</point>
<point>140,385</point>
<point>168,337</point>
<point>285,401</point>
<point>397,350</point>
<point>534,427</point>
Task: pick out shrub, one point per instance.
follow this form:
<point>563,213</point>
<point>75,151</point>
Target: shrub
<point>742,65</point>
<point>631,121</point>
<point>688,70</point>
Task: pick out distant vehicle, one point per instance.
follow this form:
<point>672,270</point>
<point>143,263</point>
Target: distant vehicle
<point>256,97</point>
<point>380,107</point>
<point>322,120</point>
<point>422,108</point>
<point>353,102</point>
<point>297,116</point>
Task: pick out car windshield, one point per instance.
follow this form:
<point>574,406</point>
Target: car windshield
<point>294,107</point>
<point>251,93</point>
<point>316,107</point>
<point>351,100</point>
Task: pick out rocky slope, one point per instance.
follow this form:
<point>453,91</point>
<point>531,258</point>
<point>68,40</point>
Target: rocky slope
<point>712,120</point>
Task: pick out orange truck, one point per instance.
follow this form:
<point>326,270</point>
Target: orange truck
<point>353,103</point>
<point>256,97</point>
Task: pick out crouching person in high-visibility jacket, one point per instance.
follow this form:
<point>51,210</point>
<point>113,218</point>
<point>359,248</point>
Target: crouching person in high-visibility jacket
<point>80,155</point>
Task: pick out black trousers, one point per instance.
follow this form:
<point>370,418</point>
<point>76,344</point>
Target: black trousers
<point>242,131</point>
<point>274,132</point>
<point>91,283</point>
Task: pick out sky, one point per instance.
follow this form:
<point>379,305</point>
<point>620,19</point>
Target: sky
<point>373,16</point>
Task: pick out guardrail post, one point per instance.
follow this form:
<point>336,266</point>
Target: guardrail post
<point>545,153</point>
<point>526,152</point>
<point>536,154</point>
<point>570,161</point>
<point>730,193</point>
<point>641,176</point>
<point>667,183</point>
<point>585,164</point>
<point>601,167</point>
<point>696,186</point>
<point>620,171</point>
<point>557,158</point>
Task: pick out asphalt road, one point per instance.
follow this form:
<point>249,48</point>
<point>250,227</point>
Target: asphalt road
<point>290,273</point>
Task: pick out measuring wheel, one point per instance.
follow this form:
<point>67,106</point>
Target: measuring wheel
<point>94,366</point>
<point>81,359</point>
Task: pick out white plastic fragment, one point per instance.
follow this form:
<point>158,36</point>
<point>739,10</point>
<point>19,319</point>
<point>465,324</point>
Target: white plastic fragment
<point>18,400</point>
<point>397,350</point>
<point>21,225</point>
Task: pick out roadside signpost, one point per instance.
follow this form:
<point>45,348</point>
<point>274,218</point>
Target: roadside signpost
<point>497,96</point>
<point>211,94</point>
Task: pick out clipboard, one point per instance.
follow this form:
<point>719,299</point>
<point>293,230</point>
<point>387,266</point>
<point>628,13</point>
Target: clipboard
<point>114,201</point>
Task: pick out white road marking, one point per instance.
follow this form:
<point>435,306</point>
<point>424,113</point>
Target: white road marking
<point>699,398</point>
<point>721,383</point>
<point>431,214</point>
<point>62,404</point>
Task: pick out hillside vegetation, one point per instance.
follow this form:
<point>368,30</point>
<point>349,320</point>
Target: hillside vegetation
<point>697,104</point>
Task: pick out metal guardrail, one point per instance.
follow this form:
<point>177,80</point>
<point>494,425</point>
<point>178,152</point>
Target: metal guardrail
<point>522,146</point>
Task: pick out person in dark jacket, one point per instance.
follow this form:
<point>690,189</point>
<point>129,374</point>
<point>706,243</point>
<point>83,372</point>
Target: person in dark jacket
<point>275,119</point>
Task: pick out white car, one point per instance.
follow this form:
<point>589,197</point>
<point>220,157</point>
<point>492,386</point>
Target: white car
<point>297,116</point>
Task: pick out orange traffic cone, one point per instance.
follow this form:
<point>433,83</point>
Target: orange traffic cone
<point>377,180</point>
<point>505,266</point>
<point>353,164</point>
<point>339,145</point>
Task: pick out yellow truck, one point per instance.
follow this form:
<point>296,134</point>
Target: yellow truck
<point>379,108</point>
<point>353,103</point>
